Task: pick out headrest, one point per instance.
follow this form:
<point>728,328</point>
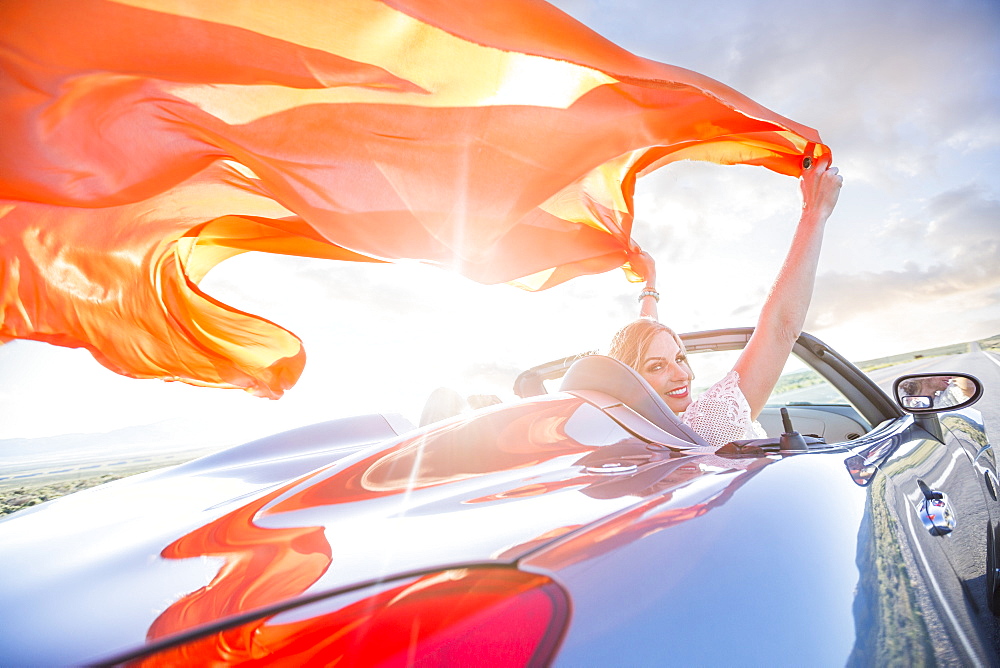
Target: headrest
<point>608,375</point>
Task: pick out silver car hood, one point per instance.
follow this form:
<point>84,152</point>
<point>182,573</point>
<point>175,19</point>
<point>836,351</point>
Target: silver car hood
<point>105,570</point>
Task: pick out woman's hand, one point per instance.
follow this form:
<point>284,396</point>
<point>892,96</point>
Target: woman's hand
<point>820,189</point>
<point>644,265</point>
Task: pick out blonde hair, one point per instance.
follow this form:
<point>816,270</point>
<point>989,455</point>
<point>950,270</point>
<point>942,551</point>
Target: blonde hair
<point>630,343</point>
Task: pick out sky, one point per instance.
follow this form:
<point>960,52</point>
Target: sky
<point>906,94</point>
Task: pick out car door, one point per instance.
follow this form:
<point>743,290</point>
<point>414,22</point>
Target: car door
<point>935,494</point>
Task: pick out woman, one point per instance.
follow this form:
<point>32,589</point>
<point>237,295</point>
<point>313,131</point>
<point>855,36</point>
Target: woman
<point>728,410</point>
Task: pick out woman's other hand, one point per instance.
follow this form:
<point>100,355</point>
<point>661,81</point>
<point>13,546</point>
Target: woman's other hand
<point>645,265</point>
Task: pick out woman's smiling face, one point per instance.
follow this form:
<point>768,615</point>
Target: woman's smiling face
<point>664,366</point>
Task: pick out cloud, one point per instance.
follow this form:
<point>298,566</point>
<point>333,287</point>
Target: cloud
<point>844,297</point>
<point>964,221</point>
<point>685,208</point>
<point>961,227</point>
<point>886,83</point>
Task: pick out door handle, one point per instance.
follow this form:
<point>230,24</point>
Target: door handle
<point>935,511</point>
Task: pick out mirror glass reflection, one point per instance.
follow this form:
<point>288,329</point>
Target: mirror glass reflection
<point>935,392</point>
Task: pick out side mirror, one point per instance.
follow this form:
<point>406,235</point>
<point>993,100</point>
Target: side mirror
<point>932,393</point>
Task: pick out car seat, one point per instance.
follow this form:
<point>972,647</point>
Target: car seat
<point>598,373</point>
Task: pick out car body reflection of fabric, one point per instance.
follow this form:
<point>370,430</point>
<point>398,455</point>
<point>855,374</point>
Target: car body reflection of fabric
<point>569,528</point>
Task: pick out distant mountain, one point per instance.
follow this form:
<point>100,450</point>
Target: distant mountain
<point>176,434</point>
<point>159,434</point>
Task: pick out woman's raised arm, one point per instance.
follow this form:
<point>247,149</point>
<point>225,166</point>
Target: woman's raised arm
<point>784,313</point>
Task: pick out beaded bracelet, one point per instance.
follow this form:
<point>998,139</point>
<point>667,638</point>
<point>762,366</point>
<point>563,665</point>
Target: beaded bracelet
<point>649,293</point>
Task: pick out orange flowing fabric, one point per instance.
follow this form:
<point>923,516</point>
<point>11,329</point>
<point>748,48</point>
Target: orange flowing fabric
<point>145,141</point>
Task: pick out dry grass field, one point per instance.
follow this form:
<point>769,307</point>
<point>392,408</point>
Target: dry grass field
<point>16,498</point>
<point>12,500</point>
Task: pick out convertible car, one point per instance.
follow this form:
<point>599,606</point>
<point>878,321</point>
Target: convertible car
<point>578,525</point>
